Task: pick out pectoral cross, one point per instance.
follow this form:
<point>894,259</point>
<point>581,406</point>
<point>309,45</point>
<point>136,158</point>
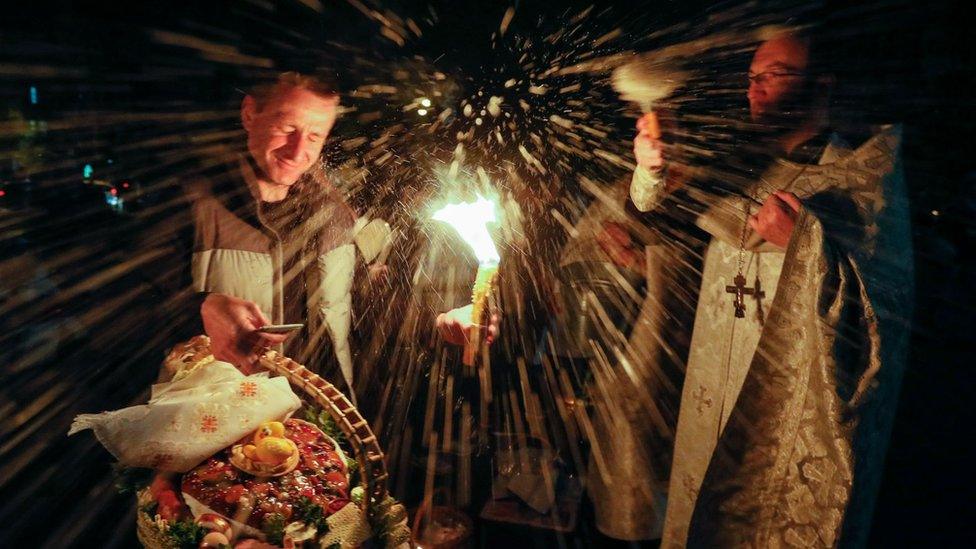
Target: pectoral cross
<point>739,291</point>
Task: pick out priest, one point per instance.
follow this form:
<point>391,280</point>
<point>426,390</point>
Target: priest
<point>800,333</point>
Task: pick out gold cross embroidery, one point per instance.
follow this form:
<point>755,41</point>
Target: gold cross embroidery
<point>699,397</point>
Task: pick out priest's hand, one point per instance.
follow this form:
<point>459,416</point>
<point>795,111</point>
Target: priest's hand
<point>455,326</point>
<point>776,218</point>
<point>647,145</point>
<point>623,250</point>
<point>231,324</point>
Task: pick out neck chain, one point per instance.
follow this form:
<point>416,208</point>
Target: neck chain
<point>738,288</point>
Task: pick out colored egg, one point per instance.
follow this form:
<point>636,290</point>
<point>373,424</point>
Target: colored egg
<point>269,429</point>
<point>216,524</point>
<point>213,540</point>
<point>275,450</point>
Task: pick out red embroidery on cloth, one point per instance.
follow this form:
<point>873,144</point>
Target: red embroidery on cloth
<point>209,424</point>
<point>248,389</point>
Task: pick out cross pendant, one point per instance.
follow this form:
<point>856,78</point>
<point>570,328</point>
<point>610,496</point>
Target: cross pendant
<point>739,290</point>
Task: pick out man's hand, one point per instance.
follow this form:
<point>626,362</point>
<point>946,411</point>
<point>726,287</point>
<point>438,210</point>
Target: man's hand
<point>455,326</point>
<point>231,323</point>
<point>623,251</point>
<point>776,218</point>
<point>647,144</point>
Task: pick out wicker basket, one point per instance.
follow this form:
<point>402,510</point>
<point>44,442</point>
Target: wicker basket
<point>314,390</point>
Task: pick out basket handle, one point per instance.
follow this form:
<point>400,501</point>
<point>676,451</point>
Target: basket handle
<point>372,464</point>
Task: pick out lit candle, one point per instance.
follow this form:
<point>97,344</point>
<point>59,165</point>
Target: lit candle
<point>470,220</point>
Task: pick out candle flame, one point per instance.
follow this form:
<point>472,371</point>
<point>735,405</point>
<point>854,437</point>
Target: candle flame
<point>470,220</point>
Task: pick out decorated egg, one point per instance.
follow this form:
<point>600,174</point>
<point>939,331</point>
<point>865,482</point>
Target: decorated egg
<point>213,540</point>
<point>275,450</point>
<point>269,429</point>
<point>216,524</point>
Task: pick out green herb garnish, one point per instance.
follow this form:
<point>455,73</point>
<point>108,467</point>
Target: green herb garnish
<point>321,419</point>
<point>311,514</point>
<point>186,534</point>
<point>274,528</point>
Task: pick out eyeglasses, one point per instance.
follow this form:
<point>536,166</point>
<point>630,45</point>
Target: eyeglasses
<point>765,77</point>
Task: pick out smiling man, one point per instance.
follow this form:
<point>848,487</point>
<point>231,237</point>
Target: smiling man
<point>286,125</point>
<point>273,237</point>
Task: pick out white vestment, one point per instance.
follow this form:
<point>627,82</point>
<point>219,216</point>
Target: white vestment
<point>723,346</point>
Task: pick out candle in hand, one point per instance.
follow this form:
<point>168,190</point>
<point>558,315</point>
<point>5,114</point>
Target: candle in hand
<point>470,220</point>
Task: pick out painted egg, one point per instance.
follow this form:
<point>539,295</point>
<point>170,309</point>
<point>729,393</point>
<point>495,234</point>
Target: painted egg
<point>216,524</point>
<point>213,540</point>
<point>269,429</point>
<point>275,450</point>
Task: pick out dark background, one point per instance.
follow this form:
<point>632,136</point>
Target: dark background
<point>904,62</point>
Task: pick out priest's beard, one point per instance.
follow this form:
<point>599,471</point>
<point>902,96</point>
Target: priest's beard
<point>786,115</point>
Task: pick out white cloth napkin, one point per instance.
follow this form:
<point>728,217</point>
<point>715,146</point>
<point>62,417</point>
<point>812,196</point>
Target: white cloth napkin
<point>189,420</point>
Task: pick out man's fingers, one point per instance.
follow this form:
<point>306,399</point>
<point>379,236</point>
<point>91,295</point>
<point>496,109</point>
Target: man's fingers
<point>790,199</point>
<point>642,123</point>
<point>775,219</point>
<point>648,158</point>
<point>256,315</point>
<point>779,211</point>
<point>644,145</point>
<point>254,344</point>
<point>774,203</point>
<point>646,139</point>
<point>459,334</point>
<point>450,329</point>
<point>261,340</point>
<point>492,331</point>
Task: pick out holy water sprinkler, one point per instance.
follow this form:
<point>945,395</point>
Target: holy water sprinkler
<point>647,80</point>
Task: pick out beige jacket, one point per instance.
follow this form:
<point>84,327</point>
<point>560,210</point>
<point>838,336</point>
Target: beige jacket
<point>239,251</point>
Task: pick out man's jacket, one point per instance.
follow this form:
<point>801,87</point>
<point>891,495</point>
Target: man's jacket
<point>294,259</point>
